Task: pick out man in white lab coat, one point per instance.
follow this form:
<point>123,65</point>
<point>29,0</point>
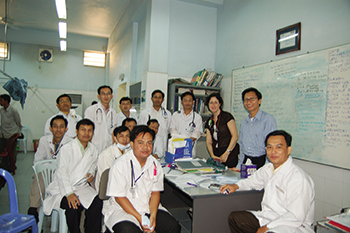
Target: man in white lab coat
<point>104,117</point>
<point>134,186</point>
<point>70,188</point>
<point>49,146</point>
<point>288,204</point>
<point>121,138</point>
<point>125,105</point>
<point>157,112</point>
<point>187,123</point>
<point>158,146</point>
<point>64,104</point>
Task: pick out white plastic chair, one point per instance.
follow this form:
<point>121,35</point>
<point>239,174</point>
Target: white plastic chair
<point>24,131</point>
<point>47,169</point>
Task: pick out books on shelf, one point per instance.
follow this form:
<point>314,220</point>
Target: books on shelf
<point>206,78</point>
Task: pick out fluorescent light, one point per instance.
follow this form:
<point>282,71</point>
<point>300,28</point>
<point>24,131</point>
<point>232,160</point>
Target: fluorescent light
<point>288,37</point>
<point>62,29</point>
<point>94,59</point>
<point>63,45</point>
<point>61,9</point>
<point>3,50</point>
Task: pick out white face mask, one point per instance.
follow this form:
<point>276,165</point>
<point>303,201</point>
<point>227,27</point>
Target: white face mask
<point>122,147</point>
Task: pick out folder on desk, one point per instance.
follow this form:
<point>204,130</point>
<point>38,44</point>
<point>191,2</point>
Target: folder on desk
<point>194,166</point>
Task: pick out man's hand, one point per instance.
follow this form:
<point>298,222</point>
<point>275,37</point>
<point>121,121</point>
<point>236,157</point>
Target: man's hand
<point>234,169</point>
<point>89,177</point>
<point>224,157</point>
<point>230,187</point>
<point>152,225</point>
<point>73,201</point>
<point>262,229</point>
<point>155,156</point>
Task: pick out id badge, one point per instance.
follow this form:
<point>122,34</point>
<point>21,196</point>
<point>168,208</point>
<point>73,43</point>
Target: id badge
<point>190,129</point>
<point>133,192</point>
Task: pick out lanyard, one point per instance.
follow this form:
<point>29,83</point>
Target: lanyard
<point>133,181</point>
<point>54,154</point>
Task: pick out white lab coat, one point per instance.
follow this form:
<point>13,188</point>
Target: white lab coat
<point>121,117</point>
<point>46,149</point>
<point>104,125</point>
<point>288,204</point>
<point>181,125</point>
<point>119,185</point>
<point>105,161</point>
<point>72,167</point>
<point>164,119</point>
<point>158,146</point>
<point>72,122</point>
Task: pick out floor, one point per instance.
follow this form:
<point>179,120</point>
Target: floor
<point>23,179</point>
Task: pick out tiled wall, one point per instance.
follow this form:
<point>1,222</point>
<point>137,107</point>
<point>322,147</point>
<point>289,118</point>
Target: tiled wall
<point>332,186</point>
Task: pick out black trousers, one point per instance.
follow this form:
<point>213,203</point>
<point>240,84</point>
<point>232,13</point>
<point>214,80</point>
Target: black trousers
<point>243,222</point>
<point>93,216</point>
<point>258,161</point>
<point>165,223</point>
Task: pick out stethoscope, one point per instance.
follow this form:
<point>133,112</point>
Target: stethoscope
<point>165,114</point>
<point>192,124</point>
<point>133,180</point>
<point>54,154</point>
<point>100,120</point>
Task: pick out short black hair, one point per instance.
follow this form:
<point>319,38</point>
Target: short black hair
<point>59,117</point>
<point>141,129</point>
<point>128,119</point>
<point>157,91</point>
<point>85,121</point>
<point>250,89</point>
<point>283,133</point>
<point>125,99</point>
<point>187,93</point>
<point>152,121</point>
<point>61,96</point>
<point>104,86</point>
<point>6,97</point>
<point>94,102</point>
<point>217,96</point>
<point>120,129</point>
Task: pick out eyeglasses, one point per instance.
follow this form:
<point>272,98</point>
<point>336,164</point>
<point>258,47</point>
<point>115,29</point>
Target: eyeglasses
<point>103,93</point>
<point>250,99</point>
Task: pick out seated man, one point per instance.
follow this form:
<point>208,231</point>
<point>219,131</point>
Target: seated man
<point>49,146</point>
<point>70,189</point>
<point>158,147</point>
<point>288,202</point>
<point>130,123</point>
<point>121,138</point>
<point>134,185</point>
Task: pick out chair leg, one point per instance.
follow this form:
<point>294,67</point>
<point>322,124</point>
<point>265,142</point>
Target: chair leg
<point>34,228</point>
<point>63,222</point>
<point>41,219</point>
<point>25,146</point>
<point>54,220</point>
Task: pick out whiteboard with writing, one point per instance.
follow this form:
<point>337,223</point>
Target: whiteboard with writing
<point>309,96</point>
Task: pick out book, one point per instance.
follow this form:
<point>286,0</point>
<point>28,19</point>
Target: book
<point>202,78</point>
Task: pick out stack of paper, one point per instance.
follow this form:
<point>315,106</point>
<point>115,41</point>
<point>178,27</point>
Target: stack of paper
<point>341,221</point>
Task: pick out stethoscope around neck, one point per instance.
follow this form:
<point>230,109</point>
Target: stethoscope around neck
<point>99,120</point>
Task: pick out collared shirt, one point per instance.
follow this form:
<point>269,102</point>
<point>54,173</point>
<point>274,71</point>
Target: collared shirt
<point>253,133</point>
<point>47,150</point>
<point>121,116</point>
<point>81,147</point>
<point>10,122</point>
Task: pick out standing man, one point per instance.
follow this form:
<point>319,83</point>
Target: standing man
<point>288,204</point>
<point>49,146</point>
<point>254,129</point>
<point>158,147</point>
<point>134,186</point>
<point>70,188</point>
<point>125,105</point>
<point>159,113</point>
<point>187,123</point>
<point>10,125</point>
<point>104,117</point>
<point>64,104</point>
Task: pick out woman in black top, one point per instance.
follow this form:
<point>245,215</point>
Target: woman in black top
<point>222,133</point>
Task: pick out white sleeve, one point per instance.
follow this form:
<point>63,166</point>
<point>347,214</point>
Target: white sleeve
<point>198,130</point>
<point>159,147</point>
<point>47,127</point>
<point>143,118</point>
<point>89,114</point>
<point>173,124</point>
<point>42,151</point>
<point>62,172</point>
<point>117,182</point>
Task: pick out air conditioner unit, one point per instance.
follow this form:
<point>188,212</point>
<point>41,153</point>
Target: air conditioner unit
<point>77,103</point>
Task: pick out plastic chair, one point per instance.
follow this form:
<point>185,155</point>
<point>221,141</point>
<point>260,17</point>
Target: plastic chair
<point>24,131</point>
<point>47,169</point>
<point>103,185</point>
<point>14,222</point>
<point>10,151</point>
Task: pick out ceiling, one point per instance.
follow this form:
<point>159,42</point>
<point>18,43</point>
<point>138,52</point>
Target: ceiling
<point>85,17</point>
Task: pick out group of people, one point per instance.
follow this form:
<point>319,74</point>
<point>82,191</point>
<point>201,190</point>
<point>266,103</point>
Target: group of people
<point>130,148</point>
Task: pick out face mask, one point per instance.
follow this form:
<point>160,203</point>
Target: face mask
<point>122,147</point>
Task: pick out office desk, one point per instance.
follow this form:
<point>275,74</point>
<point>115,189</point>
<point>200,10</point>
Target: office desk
<point>211,209</point>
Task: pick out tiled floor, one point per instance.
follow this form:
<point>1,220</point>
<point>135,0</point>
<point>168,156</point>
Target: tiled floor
<point>23,179</point>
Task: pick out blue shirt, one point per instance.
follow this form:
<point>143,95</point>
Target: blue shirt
<point>253,133</point>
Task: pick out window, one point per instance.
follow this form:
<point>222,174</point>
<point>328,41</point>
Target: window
<point>4,51</point>
<point>92,58</point>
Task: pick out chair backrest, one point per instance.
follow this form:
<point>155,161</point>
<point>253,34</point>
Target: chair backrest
<point>11,186</point>
<point>11,144</point>
<point>103,185</point>
<point>24,131</point>
<point>47,169</point>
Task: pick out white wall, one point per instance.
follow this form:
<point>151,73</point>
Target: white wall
<point>246,36</point>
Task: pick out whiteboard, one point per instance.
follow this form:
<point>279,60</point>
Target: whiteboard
<point>309,96</point>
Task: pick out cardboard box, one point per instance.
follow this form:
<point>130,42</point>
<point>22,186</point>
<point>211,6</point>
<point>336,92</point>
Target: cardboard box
<point>247,170</point>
